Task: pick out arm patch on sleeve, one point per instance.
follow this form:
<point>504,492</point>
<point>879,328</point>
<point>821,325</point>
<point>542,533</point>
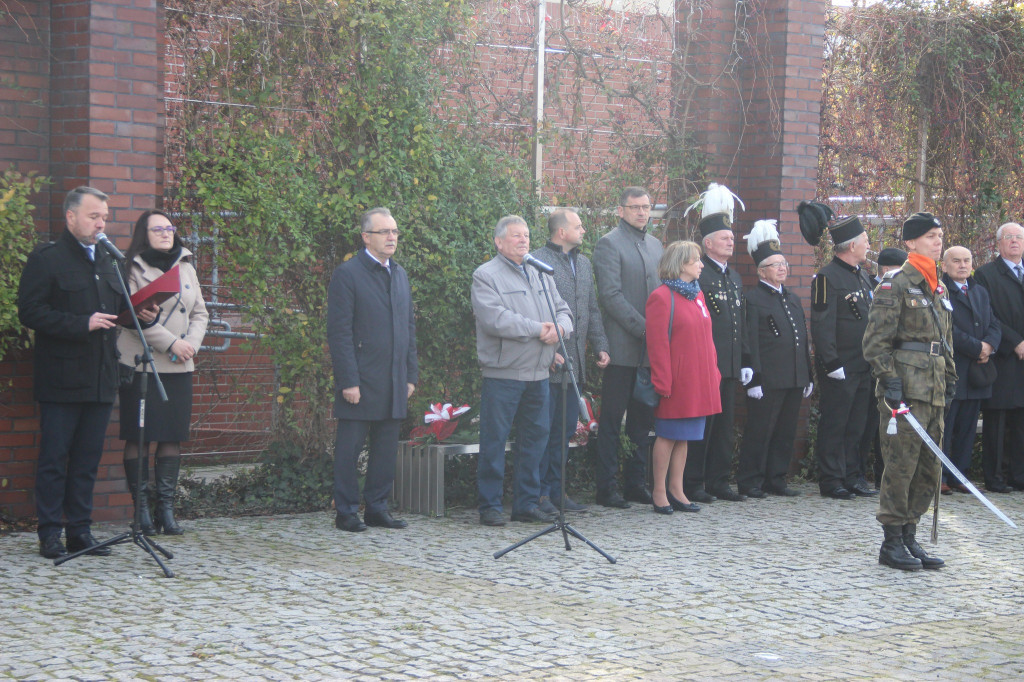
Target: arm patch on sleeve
<point>819,293</point>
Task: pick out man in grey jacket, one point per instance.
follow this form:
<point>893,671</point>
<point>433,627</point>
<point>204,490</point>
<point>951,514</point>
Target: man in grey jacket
<point>516,339</point>
<point>626,263</point>
<point>575,281</point>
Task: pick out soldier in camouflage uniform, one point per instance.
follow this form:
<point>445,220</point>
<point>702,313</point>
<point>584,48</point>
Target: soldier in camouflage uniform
<point>909,345</point>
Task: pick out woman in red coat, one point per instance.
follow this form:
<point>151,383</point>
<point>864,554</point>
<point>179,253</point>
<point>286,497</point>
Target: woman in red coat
<point>684,370</point>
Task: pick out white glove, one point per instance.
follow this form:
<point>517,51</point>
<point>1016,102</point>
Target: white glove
<point>756,393</point>
<point>746,374</point>
<point>839,374</point>
<point>808,390</point>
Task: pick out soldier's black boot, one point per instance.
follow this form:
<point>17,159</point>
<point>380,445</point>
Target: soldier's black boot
<point>131,471</point>
<point>910,542</point>
<point>166,482</point>
<point>893,553</point>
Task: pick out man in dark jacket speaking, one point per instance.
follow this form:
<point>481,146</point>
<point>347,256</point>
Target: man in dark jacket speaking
<point>70,296</point>
<point>372,336</point>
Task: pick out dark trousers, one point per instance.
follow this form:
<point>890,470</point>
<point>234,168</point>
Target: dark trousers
<point>958,438</point>
<point>70,448</point>
<point>768,439</point>
<point>505,403</point>
<point>380,467</point>
<point>843,405</point>
<point>710,460</point>
<point>551,462</point>
<point>870,447</point>
<point>616,401</point>
<point>1002,440</point>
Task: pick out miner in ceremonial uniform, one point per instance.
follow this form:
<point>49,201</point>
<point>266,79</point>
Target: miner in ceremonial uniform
<point>909,345</point>
<point>840,297</point>
<point>779,356</point>
<point>708,467</point>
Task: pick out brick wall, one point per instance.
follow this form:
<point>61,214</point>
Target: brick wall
<point>85,108</point>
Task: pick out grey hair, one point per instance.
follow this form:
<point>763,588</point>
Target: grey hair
<point>842,247</point>
<point>502,227</point>
<point>366,221</point>
<point>74,198</point>
<point>1002,229</point>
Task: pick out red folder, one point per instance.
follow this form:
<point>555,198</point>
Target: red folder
<point>157,291</point>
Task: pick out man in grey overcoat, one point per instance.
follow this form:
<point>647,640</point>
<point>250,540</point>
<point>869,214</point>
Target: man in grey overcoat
<point>372,337</point>
<point>626,264</point>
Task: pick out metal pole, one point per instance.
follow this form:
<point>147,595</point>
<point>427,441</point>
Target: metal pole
<point>538,146</point>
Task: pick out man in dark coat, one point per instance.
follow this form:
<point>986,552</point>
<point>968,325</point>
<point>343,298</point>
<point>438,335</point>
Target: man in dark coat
<point>70,295</point>
<point>372,336</point>
<point>1003,413</point>
<point>626,263</point>
<point>840,297</point>
<point>976,334</point>
<point>708,465</point>
<point>574,279</point>
<point>781,360</point>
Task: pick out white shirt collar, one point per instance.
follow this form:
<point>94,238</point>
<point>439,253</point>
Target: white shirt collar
<point>721,266</point>
<point>386,264</point>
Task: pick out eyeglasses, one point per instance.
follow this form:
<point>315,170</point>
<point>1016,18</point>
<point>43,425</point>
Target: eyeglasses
<point>166,228</point>
<point>390,233</point>
<point>1013,237</point>
<point>642,208</point>
<point>778,266</point>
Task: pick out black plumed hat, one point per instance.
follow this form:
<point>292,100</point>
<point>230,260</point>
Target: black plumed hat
<point>814,219</point>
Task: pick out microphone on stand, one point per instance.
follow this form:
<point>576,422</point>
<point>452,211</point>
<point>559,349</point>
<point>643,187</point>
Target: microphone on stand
<point>109,246</point>
<point>539,264</point>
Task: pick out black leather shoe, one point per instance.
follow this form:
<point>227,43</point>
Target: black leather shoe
<point>862,490</point>
<point>666,510</point>
<point>784,492</point>
<point>383,519</point>
<point>728,495</point>
<point>533,515</point>
<point>612,499</point>
<point>546,506</point>
<point>1016,486</point>
<point>755,493</point>
<point>349,522</point>
<point>85,541</point>
<point>638,494</point>
<point>998,488</point>
<point>839,493</point>
<point>570,505</point>
<point>701,496</point>
<point>52,547</point>
<point>492,517</point>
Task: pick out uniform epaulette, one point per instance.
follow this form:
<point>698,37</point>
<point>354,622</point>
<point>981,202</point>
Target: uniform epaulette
<point>891,273</point>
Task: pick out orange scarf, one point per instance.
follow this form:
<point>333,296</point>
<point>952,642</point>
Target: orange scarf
<point>926,266</point>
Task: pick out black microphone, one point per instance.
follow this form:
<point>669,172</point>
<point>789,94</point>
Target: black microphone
<point>539,264</point>
<point>109,246</point>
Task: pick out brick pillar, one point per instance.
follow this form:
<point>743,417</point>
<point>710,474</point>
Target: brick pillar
<point>769,160</point>
<point>88,110</point>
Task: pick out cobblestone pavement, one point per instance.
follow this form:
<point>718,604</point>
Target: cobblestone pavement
<point>776,588</point>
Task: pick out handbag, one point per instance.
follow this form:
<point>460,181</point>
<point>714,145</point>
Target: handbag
<point>643,387</point>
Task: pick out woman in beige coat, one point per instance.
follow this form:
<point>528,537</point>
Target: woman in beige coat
<point>175,338</point>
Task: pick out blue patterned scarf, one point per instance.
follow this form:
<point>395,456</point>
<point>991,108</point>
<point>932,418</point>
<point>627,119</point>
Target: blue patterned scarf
<point>687,289</point>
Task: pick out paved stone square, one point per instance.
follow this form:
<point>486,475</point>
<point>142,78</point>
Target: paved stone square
<point>782,588</point>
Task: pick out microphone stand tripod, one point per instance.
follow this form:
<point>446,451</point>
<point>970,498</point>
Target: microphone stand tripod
<point>560,524</point>
<point>134,534</point>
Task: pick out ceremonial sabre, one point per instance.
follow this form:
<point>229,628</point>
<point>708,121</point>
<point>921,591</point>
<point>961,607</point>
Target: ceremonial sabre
<point>916,425</point>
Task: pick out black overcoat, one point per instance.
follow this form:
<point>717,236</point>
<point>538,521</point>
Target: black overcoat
<point>1007,295</point>
<point>973,322</point>
<point>59,291</point>
<point>372,337</point>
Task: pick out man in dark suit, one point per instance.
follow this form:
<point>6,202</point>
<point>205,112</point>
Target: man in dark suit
<point>372,336</point>
<point>70,295</point>
<point>706,475</point>
<point>976,335</point>
<point>1003,413</point>
<point>779,355</point>
<point>840,297</point>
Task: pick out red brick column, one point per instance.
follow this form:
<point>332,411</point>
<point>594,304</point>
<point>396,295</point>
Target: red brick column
<point>90,111</point>
<point>761,133</point>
